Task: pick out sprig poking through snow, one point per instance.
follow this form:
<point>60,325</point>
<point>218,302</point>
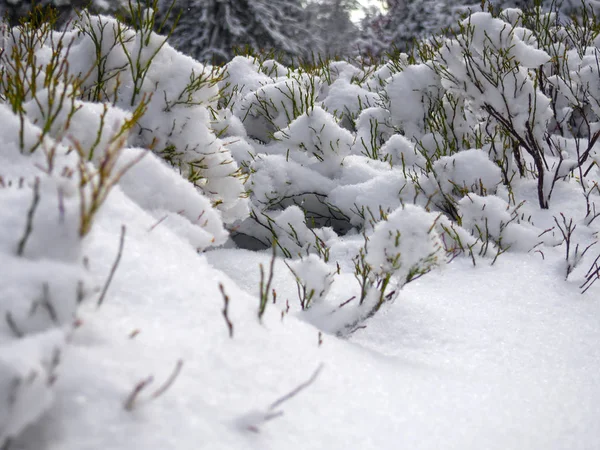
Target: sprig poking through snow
<point>255,419</point>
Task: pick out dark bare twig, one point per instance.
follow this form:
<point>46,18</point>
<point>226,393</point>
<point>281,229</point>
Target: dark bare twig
<point>341,305</point>
<point>30,214</point>
<point>265,288</point>
<point>12,325</point>
<point>80,295</point>
<point>573,258</point>
<point>46,303</point>
<point>114,267</point>
<point>226,310</point>
<point>592,275</point>
<point>591,213</point>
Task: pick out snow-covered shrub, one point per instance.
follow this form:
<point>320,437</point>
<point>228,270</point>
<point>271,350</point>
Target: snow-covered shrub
<point>274,106</point>
<point>499,226</point>
<point>401,248</point>
<point>289,231</point>
<point>70,105</point>
<point>413,95</point>
<point>512,81</point>
<point>137,69</point>
<point>346,100</point>
<point>373,131</point>
<point>454,176</point>
<point>453,129</point>
<point>315,140</point>
<point>171,199</point>
<point>46,201</point>
<point>399,167</point>
<point>313,277</point>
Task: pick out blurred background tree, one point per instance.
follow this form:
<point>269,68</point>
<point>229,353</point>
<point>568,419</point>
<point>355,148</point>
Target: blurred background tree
<point>213,30</point>
<point>15,10</point>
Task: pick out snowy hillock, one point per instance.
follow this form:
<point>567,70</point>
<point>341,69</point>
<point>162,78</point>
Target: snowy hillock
<point>322,256</point>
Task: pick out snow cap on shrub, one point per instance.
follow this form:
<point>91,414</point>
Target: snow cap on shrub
<point>406,244</point>
<point>316,136</point>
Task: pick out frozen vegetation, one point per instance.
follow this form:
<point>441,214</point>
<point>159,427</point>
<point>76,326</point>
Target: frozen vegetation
<point>333,256</point>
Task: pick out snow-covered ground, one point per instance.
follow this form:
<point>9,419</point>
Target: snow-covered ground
<point>401,256</point>
<point>502,356</point>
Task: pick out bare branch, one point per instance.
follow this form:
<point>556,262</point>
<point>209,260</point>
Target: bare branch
<point>297,390</point>
<point>30,214</point>
<point>114,267</point>
<point>226,310</point>
<point>169,382</point>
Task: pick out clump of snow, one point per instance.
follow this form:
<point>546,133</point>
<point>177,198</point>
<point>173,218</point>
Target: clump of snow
<point>402,152</point>
<point>493,219</point>
<point>346,100</point>
<point>406,244</point>
<point>175,92</point>
<point>314,278</point>
<point>274,106</point>
<point>489,31</point>
<point>412,94</point>
<point>170,199</point>
<point>373,129</point>
<point>316,140</point>
<point>469,170</point>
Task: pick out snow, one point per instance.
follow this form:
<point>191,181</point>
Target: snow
<point>416,295</point>
<point>454,361</point>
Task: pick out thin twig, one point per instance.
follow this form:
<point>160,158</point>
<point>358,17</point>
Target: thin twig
<point>114,267</point>
<point>46,303</point>
<point>161,220</point>
<point>139,387</point>
<point>346,302</point>
<point>169,382</point>
<point>12,325</point>
<point>226,310</point>
<point>30,214</point>
<point>130,402</point>
<point>592,275</point>
<point>297,390</point>
<point>265,288</point>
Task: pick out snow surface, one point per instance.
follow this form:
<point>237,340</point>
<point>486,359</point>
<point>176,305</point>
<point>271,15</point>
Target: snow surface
<point>469,357</point>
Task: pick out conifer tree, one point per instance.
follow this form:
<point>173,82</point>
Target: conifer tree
<point>210,30</point>
<point>15,10</point>
<point>331,26</point>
